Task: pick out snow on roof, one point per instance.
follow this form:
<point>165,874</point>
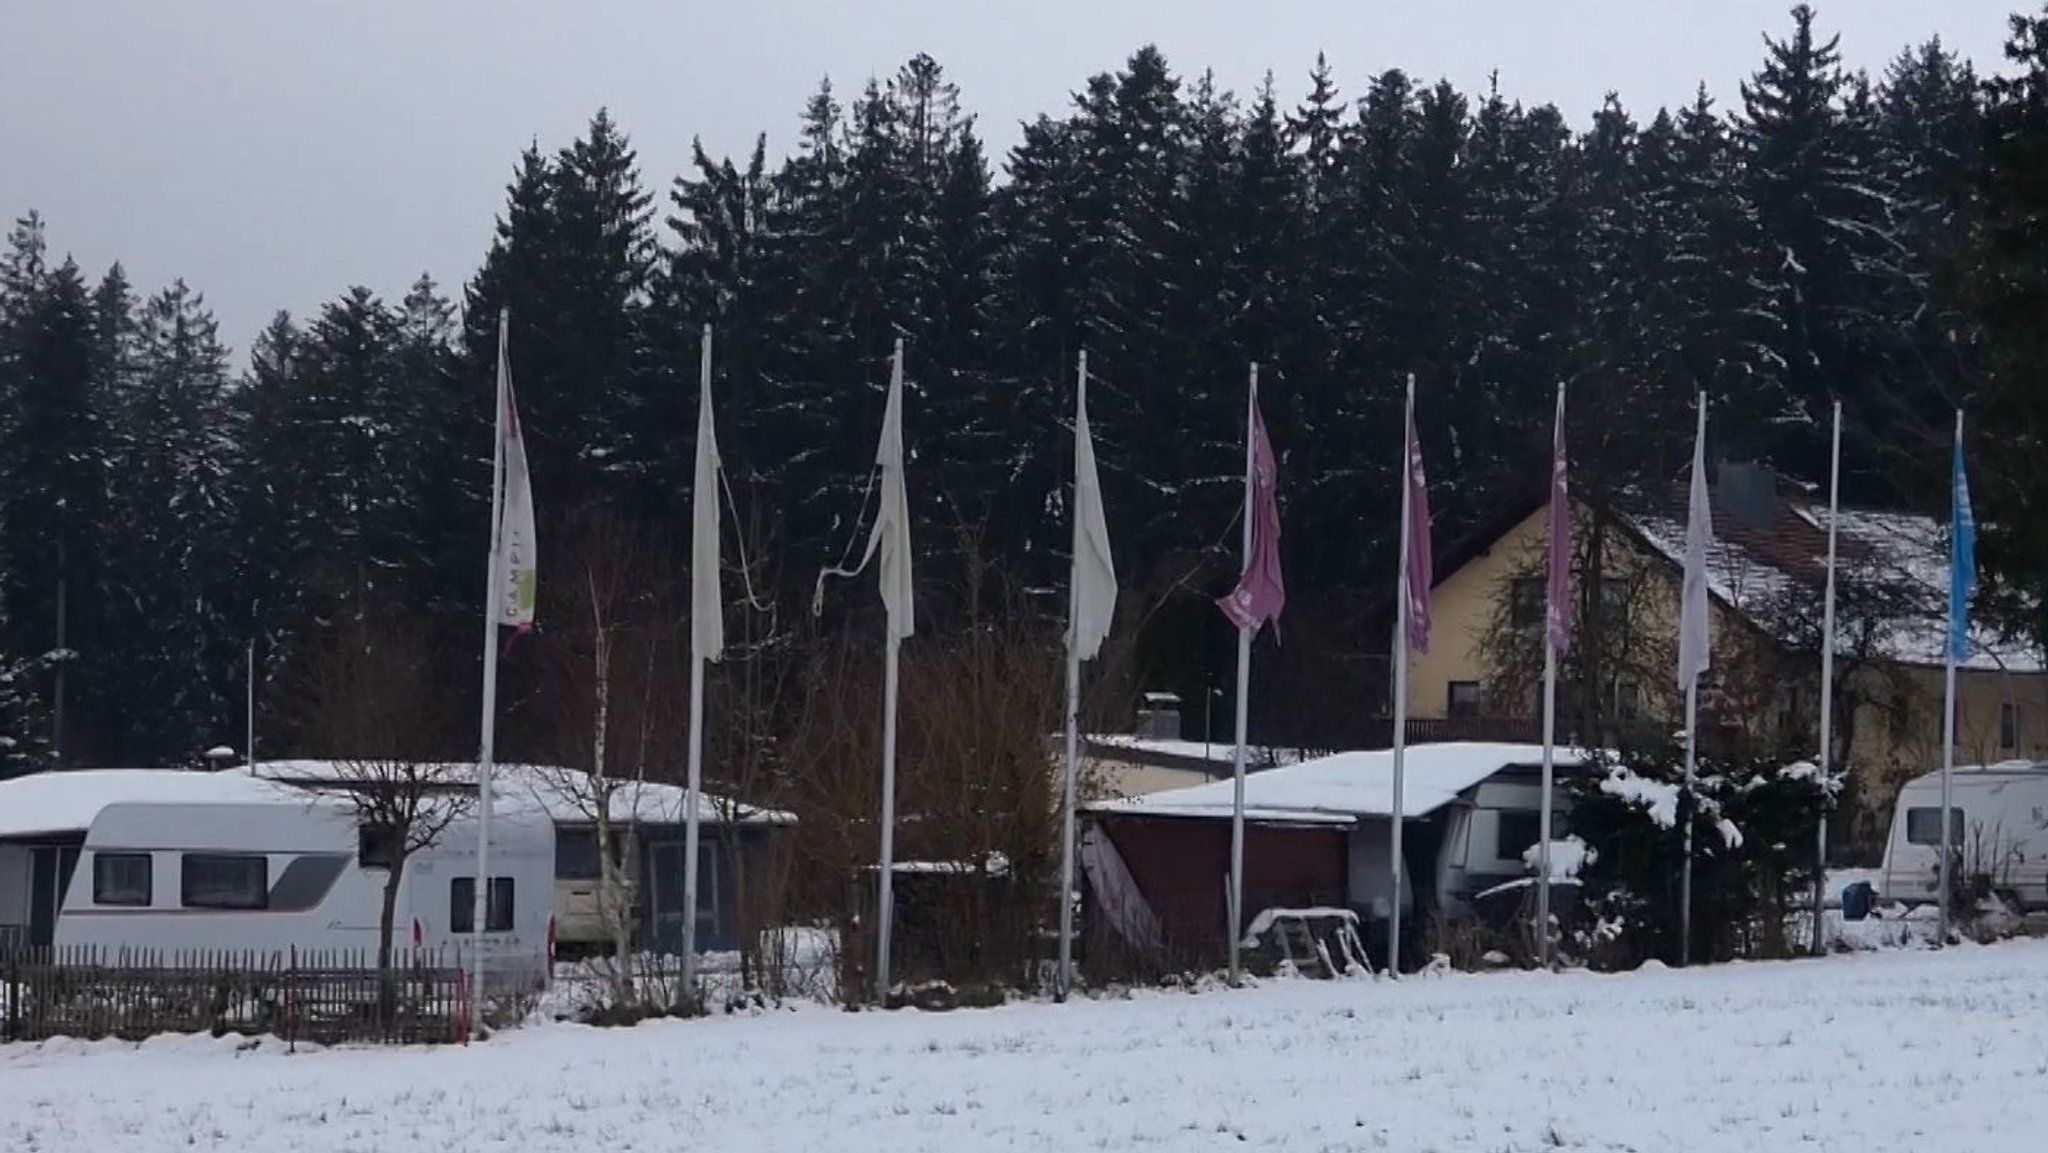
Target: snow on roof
<point>1756,572</point>
<point>1221,752</point>
<point>66,801</point>
<point>565,794</point>
<point>1343,787</point>
<point>1997,772</point>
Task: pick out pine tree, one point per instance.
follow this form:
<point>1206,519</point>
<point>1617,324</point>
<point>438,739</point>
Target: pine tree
<point>2008,295</point>
<point>53,463</point>
<point>170,569</point>
<point>1919,137</point>
<point>1316,129</point>
<point>1823,218</point>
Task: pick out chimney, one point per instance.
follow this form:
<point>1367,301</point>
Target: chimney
<point>1159,718</point>
<point>1747,492</point>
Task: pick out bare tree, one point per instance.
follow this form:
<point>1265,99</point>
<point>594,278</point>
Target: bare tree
<point>1620,658</point>
<point>752,686</point>
<point>977,793</point>
<point>369,702</point>
<point>609,695</point>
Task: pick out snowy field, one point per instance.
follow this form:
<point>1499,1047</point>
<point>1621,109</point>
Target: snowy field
<point>1906,1050</point>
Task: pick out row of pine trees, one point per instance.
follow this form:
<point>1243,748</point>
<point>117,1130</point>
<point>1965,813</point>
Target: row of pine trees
<point>1819,239</point>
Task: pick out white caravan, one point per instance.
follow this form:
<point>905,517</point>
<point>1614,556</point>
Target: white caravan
<point>174,861</point>
<point>1998,831</point>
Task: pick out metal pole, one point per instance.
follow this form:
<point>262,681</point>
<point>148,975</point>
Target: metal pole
<point>694,795</point>
<point>1692,712</point>
<point>1692,715</point>
<point>249,750</point>
<point>1544,807</point>
<point>885,904</point>
<point>1948,727</point>
<point>1549,733</point>
<point>1244,677</point>
<point>1400,698</point>
<point>488,729</point>
<point>1072,767</point>
<point>1827,686</point>
<point>1948,758</point>
<point>64,660</point>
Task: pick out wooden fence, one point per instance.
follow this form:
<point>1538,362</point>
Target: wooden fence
<point>323,997</point>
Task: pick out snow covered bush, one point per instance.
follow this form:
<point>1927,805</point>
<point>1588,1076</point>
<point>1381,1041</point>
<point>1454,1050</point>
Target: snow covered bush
<point>1754,823</point>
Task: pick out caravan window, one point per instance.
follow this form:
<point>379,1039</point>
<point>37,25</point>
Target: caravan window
<point>1923,827</point>
<point>576,853</point>
<point>462,905</point>
<point>377,846</point>
<point>121,879</point>
<point>1515,834</point>
<point>224,881</point>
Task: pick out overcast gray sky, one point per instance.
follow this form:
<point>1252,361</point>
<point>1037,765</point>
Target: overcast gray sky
<point>274,152</point>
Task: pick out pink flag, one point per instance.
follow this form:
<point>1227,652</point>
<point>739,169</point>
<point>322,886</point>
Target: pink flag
<point>1558,616</point>
<point>1260,594</point>
<point>1419,567</point>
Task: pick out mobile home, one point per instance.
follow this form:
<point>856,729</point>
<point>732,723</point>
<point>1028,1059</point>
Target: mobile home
<point>648,841</point>
<point>168,860</point>
<point>1998,835</point>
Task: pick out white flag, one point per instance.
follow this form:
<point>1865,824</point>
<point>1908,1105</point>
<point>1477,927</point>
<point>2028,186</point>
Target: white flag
<point>1693,627</point>
<point>891,537</point>
<point>1093,594</point>
<point>707,606</point>
<point>514,540</point>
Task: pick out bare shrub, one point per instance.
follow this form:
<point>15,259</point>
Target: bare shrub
<point>369,701</point>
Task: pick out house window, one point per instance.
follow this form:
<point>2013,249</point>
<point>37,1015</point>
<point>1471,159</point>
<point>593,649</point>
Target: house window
<point>1923,826</point>
<point>1515,834</point>
<point>2008,726</point>
<point>462,905</point>
<point>1525,602</point>
<point>121,879</point>
<point>1464,699</point>
<point>224,881</point>
<point>377,846</point>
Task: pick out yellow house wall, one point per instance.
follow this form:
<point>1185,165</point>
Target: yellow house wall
<point>1464,604</point>
<point>1890,746</point>
<point>1461,609</point>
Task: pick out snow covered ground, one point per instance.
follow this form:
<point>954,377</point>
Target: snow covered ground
<point>1907,1050</point>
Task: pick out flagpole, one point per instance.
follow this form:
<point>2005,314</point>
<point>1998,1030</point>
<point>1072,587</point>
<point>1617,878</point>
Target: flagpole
<point>488,727</point>
<point>1692,714</point>
<point>1549,715</point>
<point>1244,676</point>
<point>1948,712</point>
<point>1073,725</point>
<point>885,904</point>
<point>1827,683</point>
<point>693,796</point>
<point>1400,692</point>
<point>249,754</point>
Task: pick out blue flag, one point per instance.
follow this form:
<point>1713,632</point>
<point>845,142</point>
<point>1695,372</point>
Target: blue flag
<point>1962,558</point>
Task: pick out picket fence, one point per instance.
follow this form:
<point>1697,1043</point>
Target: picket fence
<point>324,997</point>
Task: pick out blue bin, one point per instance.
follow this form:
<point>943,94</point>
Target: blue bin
<point>1857,901</point>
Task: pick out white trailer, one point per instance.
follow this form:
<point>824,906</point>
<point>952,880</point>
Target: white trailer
<point>1998,835</point>
<point>170,861</point>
